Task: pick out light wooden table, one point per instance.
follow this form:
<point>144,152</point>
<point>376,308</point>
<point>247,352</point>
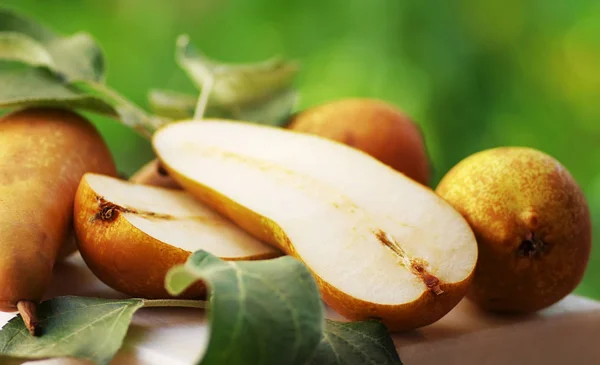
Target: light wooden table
<point>567,333</point>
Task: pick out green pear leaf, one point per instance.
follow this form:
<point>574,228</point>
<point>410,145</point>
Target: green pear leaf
<point>260,312</point>
<point>75,57</point>
<point>19,47</point>
<point>128,113</point>
<point>273,111</point>
<point>172,104</point>
<point>25,85</point>
<point>87,328</point>
<point>235,87</point>
<point>39,67</point>
<point>28,86</point>
<point>234,84</point>
<point>177,105</point>
<point>355,343</point>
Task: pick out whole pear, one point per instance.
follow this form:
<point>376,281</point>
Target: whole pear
<point>532,225</point>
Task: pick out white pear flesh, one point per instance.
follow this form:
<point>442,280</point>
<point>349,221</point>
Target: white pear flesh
<point>129,233</point>
<point>379,244</point>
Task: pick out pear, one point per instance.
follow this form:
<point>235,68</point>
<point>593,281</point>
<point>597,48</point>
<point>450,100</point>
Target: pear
<point>44,152</point>
<point>373,126</point>
<point>130,235</point>
<point>532,225</point>
<point>379,244</point>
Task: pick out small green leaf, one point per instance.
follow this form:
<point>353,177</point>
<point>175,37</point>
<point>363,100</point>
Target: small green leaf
<point>87,328</point>
<point>178,106</point>
<point>172,104</point>
<point>235,86</point>
<point>129,114</point>
<point>24,85</point>
<point>76,57</point>
<point>272,111</point>
<point>19,47</point>
<point>355,343</point>
<point>260,312</point>
<point>59,71</point>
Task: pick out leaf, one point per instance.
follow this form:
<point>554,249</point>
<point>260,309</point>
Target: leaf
<point>76,57</point>
<point>60,71</point>
<point>87,328</point>
<point>273,111</point>
<point>260,312</point>
<point>19,47</point>
<point>172,104</point>
<point>177,105</point>
<point>360,343</point>
<point>234,85</point>
<point>26,86</point>
<point>129,114</point>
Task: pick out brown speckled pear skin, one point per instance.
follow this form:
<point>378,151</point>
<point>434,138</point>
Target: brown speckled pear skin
<point>373,126</point>
<point>421,312</point>
<point>532,225</point>
<point>44,153</point>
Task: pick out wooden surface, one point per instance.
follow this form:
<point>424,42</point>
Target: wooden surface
<point>567,333</point>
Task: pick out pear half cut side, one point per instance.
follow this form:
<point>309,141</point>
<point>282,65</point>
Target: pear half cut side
<point>130,235</point>
<point>379,244</point>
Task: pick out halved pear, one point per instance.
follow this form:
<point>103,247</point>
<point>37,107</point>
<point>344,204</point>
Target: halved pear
<point>130,235</point>
<point>378,243</point>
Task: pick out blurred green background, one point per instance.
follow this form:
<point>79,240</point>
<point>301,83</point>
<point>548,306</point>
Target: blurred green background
<point>474,74</point>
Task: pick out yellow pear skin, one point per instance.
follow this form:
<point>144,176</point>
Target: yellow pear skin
<point>532,225</point>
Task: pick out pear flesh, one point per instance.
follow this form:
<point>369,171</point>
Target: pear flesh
<point>378,243</point>
<point>130,235</point>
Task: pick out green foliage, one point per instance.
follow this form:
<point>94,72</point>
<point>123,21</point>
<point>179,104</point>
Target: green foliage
<point>355,343</point>
<point>76,57</point>
<point>261,312</point>
<point>87,328</point>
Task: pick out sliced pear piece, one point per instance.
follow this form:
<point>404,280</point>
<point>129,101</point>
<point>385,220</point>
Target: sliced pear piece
<point>379,244</point>
<point>130,235</point>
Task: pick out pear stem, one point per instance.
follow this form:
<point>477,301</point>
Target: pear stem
<point>27,310</point>
<point>203,99</point>
<point>175,303</point>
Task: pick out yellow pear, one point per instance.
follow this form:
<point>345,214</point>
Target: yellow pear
<point>378,243</point>
<point>532,225</point>
<point>44,152</point>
